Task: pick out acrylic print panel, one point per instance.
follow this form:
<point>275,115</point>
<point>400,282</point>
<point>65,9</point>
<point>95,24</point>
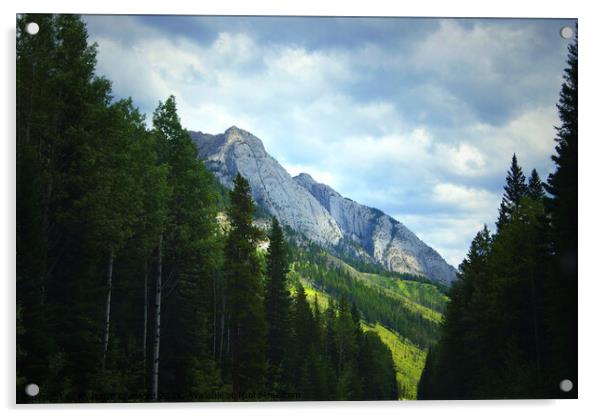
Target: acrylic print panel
<point>216,208</point>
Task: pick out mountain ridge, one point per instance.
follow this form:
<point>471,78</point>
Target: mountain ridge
<point>316,210</point>
<point>383,236</point>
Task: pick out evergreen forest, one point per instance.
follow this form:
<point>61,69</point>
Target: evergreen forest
<point>510,327</point>
<point>140,277</point>
<point>129,286</point>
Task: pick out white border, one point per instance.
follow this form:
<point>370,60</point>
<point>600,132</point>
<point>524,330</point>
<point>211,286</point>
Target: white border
<point>590,290</point>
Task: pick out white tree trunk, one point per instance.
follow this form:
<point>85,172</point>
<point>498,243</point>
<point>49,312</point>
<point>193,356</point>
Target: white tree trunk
<point>157,341</point>
<point>108,308</point>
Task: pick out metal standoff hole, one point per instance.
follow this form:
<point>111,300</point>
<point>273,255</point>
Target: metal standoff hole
<point>566,385</point>
<point>566,32</point>
<point>32,28</point>
<point>32,389</point>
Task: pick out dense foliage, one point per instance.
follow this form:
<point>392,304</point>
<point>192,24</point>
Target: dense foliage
<point>128,288</point>
<point>510,327</point>
<point>378,302</point>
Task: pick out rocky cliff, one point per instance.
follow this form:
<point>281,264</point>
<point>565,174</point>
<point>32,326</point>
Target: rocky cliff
<point>385,239</point>
<point>316,210</point>
<point>237,151</point>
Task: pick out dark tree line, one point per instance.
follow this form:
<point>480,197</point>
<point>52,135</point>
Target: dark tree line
<point>510,327</point>
<point>278,346</point>
<point>128,289</point>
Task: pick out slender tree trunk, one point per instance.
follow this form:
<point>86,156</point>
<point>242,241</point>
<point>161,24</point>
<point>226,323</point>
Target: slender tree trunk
<point>155,390</point>
<point>108,307</point>
<point>145,327</point>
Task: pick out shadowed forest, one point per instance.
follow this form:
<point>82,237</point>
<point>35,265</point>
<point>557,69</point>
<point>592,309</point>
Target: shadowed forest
<point>128,287</point>
<point>510,327</point>
<point>141,278</point>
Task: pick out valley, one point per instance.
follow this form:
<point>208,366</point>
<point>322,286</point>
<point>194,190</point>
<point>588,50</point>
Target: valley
<point>406,296</point>
<point>396,300</point>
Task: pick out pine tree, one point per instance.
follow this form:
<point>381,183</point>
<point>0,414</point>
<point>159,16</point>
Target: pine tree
<point>426,384</point>
<point>347,347</point>
<point>277,306</point>
<point>246,321</point>
<point>60,103</point>
<point>112,180</point>
<point>562,209</point>
<point>514,190</point>
<point>34,94</point>
<point>301,338</point>
<point>376,369</point>
<point>188,259</point>
<point>535,190</point>
<point>455,373</point>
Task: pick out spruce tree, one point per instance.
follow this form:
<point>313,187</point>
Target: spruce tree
<point>514,190</point>
<point>455,371</point>
<point>561,206</point>
<point>189,256</point>
<point>301,338</point>
<point>246,321</point>
<point>425,389</point>
<point>347,346</point>
<point>60,102</point>
<point>277,306</point>
<point>535,190</point>
<point>376,369</point>
<point>34,171</point>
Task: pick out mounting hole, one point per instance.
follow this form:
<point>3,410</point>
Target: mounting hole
<point>32,28</point>
<point>566,32</point>
<point>32,389</point>
<point>566,385</point>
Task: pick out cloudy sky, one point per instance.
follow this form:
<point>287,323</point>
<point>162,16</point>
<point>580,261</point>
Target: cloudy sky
<point>417,117</point>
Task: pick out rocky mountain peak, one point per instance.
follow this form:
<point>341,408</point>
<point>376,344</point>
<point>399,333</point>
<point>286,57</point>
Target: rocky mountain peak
<point>235,135</point>
<point>234,129</point>
<point>238,151</point>
<point>304,177</point>
<point>317,211</point>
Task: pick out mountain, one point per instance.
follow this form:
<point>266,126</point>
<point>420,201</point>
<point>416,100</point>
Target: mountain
<point>237,151</point>
<point>317,211</point>
<point>387,240</point>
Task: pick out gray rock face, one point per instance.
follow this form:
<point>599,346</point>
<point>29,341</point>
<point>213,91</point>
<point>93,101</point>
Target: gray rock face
<point>384,238</point>
<point>237,151</point>
<point>316,210</point>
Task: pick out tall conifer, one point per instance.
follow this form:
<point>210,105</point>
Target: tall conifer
<point>277,305</point>
<point>242,272</point>
<point>535,189</point>
<point>562,208</point>
<point>514,190</point>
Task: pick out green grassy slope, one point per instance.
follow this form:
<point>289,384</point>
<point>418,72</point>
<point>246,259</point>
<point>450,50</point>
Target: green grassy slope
<point>414,298</point>
<point>410,308</point>
<point>409,359</point>
<point>423,298</point>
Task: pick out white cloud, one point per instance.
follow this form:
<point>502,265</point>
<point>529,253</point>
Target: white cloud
<point>467,198</point>
<point>464,159</point>
<point>442,182</point>
<point>483,51</point>
<point>530,135</point>
<point>449,235</point>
